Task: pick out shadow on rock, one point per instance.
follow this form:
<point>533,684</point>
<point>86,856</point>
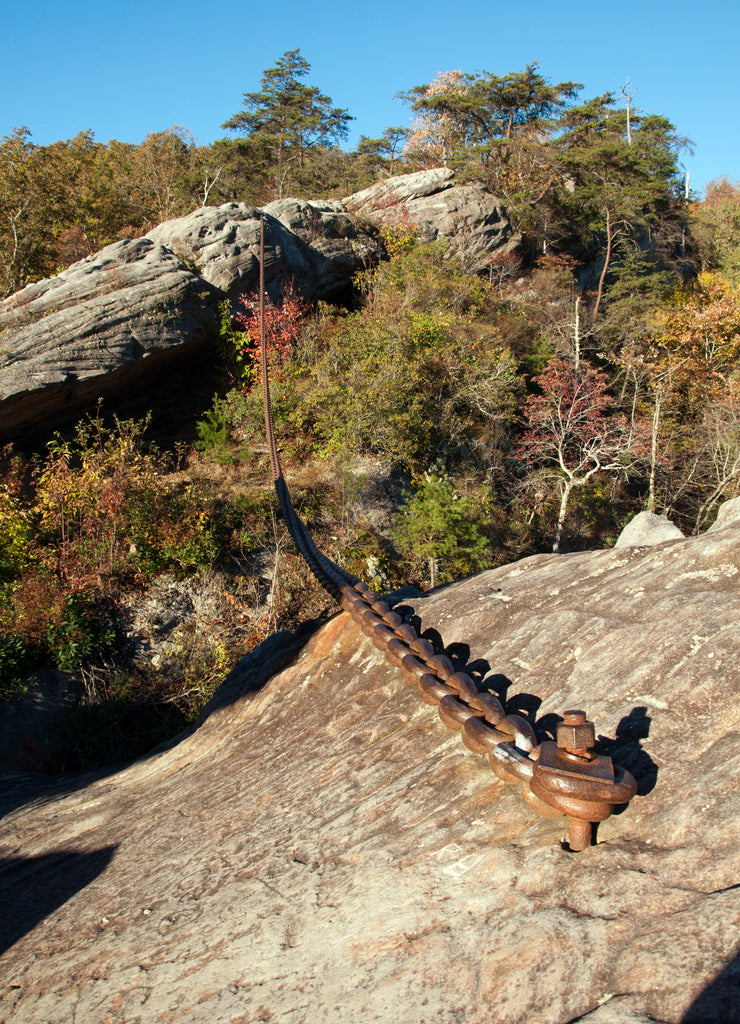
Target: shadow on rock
<point>719,1000</point>
<point>255,669</point>
<point>625,748</point>
<point>31,888</point>
<point>249,675</point>
<point>20,788</point>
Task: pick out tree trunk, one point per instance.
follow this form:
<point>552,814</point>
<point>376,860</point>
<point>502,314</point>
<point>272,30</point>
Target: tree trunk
<point>653,454</point>
<point>564,498</point>
<point>208,185</point>
<point>708,505</point>
<point>607,261</point>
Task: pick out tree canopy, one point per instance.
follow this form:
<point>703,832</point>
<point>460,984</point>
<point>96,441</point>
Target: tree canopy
<point>487,107</point>
<point>289,117</point>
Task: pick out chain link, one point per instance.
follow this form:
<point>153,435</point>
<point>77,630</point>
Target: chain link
<point>566,777</point>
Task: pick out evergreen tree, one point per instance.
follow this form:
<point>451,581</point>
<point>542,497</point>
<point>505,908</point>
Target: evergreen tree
<point>496,126</point>
<point>289,117</point>
<point>438,524</point>
<point>487,107</point>
<point>622,176</point>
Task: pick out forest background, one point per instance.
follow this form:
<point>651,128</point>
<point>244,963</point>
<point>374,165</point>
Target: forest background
<point>438,423</point>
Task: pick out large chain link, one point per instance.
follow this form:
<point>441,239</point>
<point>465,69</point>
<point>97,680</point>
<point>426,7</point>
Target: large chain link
<point>563,777</point>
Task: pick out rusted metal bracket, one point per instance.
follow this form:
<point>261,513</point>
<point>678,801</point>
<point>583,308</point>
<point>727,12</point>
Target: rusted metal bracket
<point>570,777</point>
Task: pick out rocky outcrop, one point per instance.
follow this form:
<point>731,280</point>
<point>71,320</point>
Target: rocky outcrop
<point>467,216</point>
<point>102,326</point>
<point>728,514</point>
<point>316,246</point>
<point>324,849</point>
<point>111,322</point>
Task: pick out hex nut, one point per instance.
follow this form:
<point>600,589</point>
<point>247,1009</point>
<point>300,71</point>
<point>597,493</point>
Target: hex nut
<point>575,732</point>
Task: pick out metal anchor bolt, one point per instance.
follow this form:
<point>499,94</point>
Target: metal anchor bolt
<point>576,735</point>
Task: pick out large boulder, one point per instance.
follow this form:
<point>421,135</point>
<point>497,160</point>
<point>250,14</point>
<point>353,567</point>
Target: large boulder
<point>96,328</point>
<point>100,327</point>
<point>322,848</point>
<point>316,246</point>
<point>467,216</point>
<point>727,515</point>
<point>647,529</point>
<point>336,244</point>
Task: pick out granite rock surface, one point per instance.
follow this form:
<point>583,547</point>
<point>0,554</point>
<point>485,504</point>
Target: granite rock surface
<point>322,848</point>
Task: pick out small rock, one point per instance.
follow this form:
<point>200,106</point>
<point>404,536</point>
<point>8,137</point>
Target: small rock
<point>646,530</point>
<point>728,515</point>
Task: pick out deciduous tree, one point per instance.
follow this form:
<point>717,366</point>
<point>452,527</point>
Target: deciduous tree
<point>161,165</point>
<point>571,433</point>
<point>25,242</point>
<point>436,135</point>
<point>716,224</point>
<point>282,325</point>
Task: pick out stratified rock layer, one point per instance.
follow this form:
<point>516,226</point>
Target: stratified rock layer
<point>325,850</point>
<point>111,322</point>
<point>101,326</point>
<point>467,216</point>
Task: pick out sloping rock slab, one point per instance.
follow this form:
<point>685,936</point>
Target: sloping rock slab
<point>325,850</point>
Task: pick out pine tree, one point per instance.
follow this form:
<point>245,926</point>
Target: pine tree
<point>289,117</point>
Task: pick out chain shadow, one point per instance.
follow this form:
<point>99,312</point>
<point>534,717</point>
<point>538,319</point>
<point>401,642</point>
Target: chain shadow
<point>31,888</point>
<point>624,748</point>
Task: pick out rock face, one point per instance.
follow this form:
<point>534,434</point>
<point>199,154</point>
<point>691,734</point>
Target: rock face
<point>100,326</point>
<point>323,849</point>
<point>647,529</point>
<point>466,215</point>
<point>109,322</point>
<point>314,245</point>
<point>727,515</point>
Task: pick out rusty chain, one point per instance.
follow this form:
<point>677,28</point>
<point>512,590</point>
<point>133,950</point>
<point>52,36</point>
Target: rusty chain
<point>559,777</point>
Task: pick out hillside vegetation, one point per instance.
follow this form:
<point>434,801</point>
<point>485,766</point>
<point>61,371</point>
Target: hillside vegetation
<point>440,424</point>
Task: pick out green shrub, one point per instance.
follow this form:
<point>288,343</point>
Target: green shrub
<point>214,432</point>
<point>17,658</point>
<point>443,528</point>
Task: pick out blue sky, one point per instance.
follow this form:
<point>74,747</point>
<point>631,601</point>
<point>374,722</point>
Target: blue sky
<point>124,69</point>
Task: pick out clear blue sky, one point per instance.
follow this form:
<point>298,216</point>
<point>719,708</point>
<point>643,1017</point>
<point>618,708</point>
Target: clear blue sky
<point>124,69</point>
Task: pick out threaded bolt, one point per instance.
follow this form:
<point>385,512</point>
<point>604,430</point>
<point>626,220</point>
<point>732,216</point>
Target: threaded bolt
<point>575,734</point>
